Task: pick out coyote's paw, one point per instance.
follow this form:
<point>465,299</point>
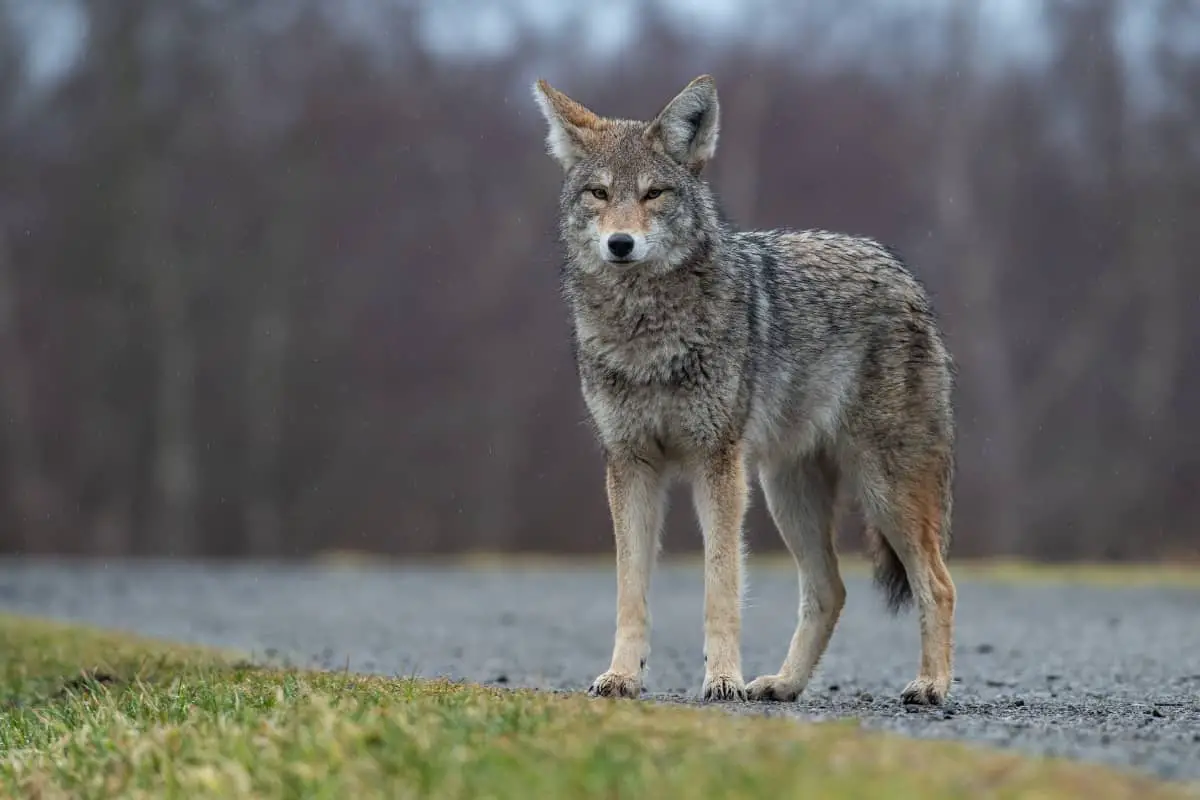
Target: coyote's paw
<point>773,688</point>
<point>724,687</point>
<point>925,692</point>
<point>614,684</point>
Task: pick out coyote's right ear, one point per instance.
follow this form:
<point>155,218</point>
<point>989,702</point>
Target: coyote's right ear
<point>571,125</point>
<point>686,130</point>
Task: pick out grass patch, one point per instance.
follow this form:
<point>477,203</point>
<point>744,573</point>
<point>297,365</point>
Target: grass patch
<point>94,714</point>
<point>1115,575</point>
<point>1180,573</point>
<point>1177,574</point>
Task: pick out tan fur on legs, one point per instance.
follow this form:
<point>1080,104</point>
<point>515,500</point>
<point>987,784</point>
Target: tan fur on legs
<point>637,500</point>
<point>801,496</point>
<point>933,590</point>
<point>720,493</point>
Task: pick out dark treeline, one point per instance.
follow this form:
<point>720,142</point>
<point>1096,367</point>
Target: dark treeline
<point>271,283</point>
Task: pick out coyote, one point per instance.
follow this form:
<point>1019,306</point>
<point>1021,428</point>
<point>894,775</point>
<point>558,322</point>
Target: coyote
<point>811,359</point>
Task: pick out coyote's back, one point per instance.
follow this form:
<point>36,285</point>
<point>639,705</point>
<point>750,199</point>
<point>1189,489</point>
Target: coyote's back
<point>811,359</point>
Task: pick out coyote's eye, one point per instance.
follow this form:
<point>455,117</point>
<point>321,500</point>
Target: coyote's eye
<point>600,193</point>
<point>653,193</point>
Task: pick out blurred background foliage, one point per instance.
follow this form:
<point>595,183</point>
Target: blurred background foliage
<point>279,276</point>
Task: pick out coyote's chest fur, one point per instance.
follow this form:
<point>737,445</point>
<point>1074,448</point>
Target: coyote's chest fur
<point>660,365</point>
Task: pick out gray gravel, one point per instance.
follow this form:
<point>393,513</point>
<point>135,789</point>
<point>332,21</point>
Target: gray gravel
<point>1107,675</point>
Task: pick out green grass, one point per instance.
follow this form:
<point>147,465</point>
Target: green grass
<point>95,714</point>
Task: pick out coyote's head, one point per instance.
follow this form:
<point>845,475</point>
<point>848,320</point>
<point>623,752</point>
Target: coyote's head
<point>632,192</point>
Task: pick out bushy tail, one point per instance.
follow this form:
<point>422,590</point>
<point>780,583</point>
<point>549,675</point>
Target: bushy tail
<point>890,575</point>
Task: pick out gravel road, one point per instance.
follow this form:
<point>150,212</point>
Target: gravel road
<point>1107,675</point>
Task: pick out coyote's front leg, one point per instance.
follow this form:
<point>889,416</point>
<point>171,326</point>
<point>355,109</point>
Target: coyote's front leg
<point>637,500</point>
<point>720,493</point>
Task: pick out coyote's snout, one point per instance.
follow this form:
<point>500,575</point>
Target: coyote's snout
<point>624,247</point>
<point>806,359</point>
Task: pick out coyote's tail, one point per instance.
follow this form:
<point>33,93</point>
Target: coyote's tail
<point>890,575</point>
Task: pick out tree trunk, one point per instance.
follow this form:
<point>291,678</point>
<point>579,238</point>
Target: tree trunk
<point>973,271</point>
<point>30,494</point>
<point>264,395</point>
<point>176,474</point>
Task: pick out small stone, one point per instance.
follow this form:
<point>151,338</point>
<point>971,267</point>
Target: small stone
<point>833,687</point>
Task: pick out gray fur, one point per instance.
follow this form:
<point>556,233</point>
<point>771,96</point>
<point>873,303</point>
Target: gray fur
<point>687,128</point>
<point>795,345</point>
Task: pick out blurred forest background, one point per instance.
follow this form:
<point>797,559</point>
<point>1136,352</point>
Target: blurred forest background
<point>279,276</point>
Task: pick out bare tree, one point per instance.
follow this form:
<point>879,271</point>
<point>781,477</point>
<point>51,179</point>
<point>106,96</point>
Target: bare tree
<point>30,491</point>
<point>973,269</point>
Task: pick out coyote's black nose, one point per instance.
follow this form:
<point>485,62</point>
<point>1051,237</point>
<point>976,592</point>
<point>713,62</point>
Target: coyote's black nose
<point>620,244</point>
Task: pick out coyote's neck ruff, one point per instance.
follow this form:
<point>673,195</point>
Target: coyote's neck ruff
<point>662,354</point>
<point>810,358</point>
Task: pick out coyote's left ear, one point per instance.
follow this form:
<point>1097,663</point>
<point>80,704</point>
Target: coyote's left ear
<point>571,125</point>
<point>686,130</point>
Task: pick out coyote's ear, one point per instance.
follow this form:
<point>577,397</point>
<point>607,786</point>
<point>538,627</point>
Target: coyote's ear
<point>686,130</point>
<point>571,126</point>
